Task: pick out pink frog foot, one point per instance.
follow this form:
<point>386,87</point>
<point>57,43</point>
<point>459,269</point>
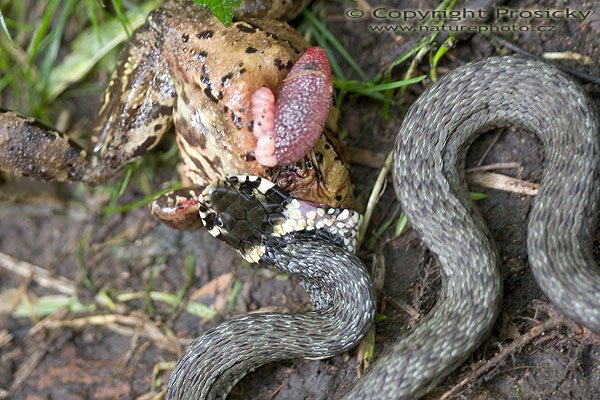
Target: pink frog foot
<point>288,128</point>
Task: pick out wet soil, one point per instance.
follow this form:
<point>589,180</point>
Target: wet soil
<point>533,352</point>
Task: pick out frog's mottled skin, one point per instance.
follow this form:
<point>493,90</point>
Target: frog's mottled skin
<point>183,68</point>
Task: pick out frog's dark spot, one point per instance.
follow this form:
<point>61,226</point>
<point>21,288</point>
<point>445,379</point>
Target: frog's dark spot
<point>157,127</point>
<point>338,197</point>
<point>242,71</point>
<point>203,71</point>
<point>250,125</point>
<point>242,27</point>
<point>205,34</point>
<point>225,109</point>
<point>198,164</point>
<point>199,54</point>
<point>249,157</point>
<point>337,158</point>
<point>215,162</point>
<point>165,110</point>
<point>278,39</point>
<point>155,111</point>
<point>226,77</point>
<point>236,120</point>
<point>185,37</point>
<point>194,139</point>
<point>251,49</point>
<point>210,96</point>
<point>309,164</point>
<point>327,146</point>
<point>204,78</point>
<point>318,174</point>
<point>279,64</point>
<point>272,35</point>
<point>319,157</point>
<point>144,146</point>
<point>220,95</point>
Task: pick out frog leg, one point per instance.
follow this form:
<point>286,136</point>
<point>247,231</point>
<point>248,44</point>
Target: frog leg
<point>136,112</point>
<point>179,209</point>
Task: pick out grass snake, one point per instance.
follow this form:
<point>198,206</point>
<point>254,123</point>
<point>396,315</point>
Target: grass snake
<point>429,181</point>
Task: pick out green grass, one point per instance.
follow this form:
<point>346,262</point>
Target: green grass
<point>222,9</point>
<point>35,33</point>
<point>87,37</point>
<point>362,85</point>
<point>36,81</point>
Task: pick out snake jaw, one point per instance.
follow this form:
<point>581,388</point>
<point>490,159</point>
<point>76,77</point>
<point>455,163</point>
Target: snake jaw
<point>253,214</point>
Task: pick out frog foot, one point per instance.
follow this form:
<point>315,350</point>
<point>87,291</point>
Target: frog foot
<point>288,128</point>
<point>179,209</point>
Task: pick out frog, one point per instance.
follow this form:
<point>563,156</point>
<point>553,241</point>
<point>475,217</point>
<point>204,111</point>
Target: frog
<point>184,69</point>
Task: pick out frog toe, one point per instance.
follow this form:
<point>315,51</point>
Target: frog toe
<point>179,209</point>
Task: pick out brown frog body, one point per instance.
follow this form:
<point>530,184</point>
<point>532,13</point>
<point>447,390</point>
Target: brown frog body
<point>183,68</point>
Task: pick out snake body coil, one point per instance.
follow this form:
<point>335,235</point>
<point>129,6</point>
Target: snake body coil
<point>429,181</point>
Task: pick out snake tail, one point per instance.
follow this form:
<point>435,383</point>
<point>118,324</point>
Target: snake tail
<point>344,307</point>
<point>429,181</point>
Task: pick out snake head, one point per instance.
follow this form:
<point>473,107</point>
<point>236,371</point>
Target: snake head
<point>254,215</point>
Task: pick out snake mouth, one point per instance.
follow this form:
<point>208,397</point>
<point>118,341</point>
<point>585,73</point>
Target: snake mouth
<point>253,214</point>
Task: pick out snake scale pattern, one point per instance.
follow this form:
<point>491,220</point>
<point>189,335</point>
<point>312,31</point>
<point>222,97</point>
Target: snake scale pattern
<point>429,181</point>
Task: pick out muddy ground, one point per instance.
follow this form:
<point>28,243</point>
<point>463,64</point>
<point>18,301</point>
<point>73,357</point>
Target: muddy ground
<point>533,352</point>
